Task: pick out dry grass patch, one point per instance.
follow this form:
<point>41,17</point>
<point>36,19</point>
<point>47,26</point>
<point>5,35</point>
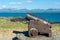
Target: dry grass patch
<point>56,29</point>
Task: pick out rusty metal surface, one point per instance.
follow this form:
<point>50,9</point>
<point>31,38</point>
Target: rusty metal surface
<point>39,27</point>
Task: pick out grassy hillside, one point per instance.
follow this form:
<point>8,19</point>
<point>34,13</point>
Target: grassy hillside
<point>7,27</point>
<point>4,23</point>
<point>7,24</point>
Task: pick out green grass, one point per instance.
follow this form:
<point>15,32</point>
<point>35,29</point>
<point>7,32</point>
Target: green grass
<point>12,25</point>
<point>6,25</point>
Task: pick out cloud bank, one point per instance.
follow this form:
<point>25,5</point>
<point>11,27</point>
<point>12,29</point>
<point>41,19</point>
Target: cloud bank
<point>15,3</point>
<point>29,1</point>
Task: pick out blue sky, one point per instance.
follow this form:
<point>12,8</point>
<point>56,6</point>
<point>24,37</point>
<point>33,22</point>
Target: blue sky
<point>30,4</point>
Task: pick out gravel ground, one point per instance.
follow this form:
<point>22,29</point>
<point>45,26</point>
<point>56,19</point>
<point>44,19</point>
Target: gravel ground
<point>22,36</point>
<point>40,37</point>
<point>6,37</point>
<point>55,37</point>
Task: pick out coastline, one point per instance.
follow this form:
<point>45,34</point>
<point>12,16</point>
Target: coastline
<point>7,27</point>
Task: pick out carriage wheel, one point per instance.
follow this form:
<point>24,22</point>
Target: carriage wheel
<point>33,33</point>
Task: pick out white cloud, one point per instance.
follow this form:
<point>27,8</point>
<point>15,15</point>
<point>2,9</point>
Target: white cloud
<point>3,6</point>
<point>19,2</point>
<point>29,1</point>
<point>13,3</point>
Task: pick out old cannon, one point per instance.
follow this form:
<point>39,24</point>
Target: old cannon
<point>37,25</point>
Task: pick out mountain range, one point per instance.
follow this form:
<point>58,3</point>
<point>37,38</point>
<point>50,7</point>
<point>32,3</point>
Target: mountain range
<point>29,11</point>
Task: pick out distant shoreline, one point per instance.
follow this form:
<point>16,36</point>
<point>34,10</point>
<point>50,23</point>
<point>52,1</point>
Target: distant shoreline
<point>51,17</point>
<point>23,18</point>
<point>54,22</point>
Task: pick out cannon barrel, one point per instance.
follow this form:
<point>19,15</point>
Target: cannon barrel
<point>31,17</point>
<point>38,25</point>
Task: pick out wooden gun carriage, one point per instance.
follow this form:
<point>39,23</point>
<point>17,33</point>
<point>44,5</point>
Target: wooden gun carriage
<point>37,25</point>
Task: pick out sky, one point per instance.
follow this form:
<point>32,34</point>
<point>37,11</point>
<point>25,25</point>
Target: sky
<point>30,4</point>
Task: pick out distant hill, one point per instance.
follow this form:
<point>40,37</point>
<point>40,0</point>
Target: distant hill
<point>31,11</point>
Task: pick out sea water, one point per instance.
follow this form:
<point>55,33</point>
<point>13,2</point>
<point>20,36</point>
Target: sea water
<point>52,17</point>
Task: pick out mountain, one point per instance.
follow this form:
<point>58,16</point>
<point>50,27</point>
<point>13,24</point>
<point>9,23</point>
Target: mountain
<point>24,10</point>
<point>12,10</point>
<point>37,10</point>
<point>53,10</point>
<point>45,11</point>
